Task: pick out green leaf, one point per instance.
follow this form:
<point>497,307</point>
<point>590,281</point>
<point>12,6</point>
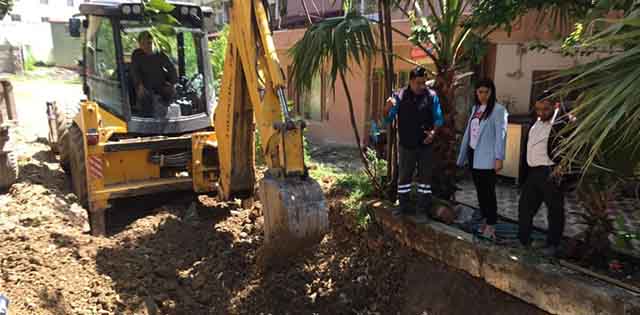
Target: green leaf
<point>165,30</point>
<point>333,43</point>
<point>165,19</point>
<point>159,6</point>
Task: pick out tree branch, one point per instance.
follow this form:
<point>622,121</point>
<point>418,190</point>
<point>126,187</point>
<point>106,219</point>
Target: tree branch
<point>306,11</point>
<point>425,50</point>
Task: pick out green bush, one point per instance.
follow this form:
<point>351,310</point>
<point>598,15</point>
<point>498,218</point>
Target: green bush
<point>29,60</point>
<point>360,188</point>
<point>218,50</point>
<point>260,161</point>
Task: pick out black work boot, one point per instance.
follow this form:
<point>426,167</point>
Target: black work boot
<point>424,208</point>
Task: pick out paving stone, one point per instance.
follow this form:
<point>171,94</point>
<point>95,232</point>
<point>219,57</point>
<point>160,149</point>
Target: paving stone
<point>508,195</point>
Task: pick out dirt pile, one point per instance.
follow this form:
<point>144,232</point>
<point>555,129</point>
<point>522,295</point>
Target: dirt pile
<point>180,254</point>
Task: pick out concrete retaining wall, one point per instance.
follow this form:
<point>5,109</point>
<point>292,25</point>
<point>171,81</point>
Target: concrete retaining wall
<point>550,287</point>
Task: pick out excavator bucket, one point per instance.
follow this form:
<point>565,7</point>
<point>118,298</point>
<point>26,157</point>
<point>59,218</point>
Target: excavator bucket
<point>295,212</point>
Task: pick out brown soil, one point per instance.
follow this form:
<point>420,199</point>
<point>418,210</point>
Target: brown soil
<point>183,254</point>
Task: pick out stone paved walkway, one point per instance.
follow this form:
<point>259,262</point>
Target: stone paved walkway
<point>508,195</point>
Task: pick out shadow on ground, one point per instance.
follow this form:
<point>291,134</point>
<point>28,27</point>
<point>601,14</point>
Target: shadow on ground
<point>212,264</point>
<point>126,211</point>
<point>164,265</point>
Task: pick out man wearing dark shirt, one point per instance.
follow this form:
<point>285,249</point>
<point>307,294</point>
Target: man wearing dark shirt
<point>152,73</point>
<point>417,108</point>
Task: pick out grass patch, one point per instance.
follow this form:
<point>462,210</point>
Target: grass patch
<point>360,190</point>
<point>356,186</point>
<point>323,172</point>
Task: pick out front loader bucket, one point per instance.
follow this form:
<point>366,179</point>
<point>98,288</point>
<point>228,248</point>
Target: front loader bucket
<point>295,212</point>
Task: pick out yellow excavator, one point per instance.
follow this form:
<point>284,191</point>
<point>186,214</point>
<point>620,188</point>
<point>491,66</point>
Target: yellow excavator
<point>113,149</point>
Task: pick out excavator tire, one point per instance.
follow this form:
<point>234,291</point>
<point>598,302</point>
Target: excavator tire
<point>8,169</point>
<point>8,160</point>
<point>64,119</point>
<point>77,166</point>
<point>295,213</point>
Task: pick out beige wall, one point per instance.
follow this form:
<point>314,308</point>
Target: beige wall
<point>515,64</point>
<point>337,128</point>
<point>515,88</point>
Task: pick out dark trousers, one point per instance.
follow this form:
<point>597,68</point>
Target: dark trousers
<point>538,188</point>
<point>422,158</point>
<point>485,183</point>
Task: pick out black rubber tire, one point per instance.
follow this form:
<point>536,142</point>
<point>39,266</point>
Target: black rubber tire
<point>8,170</point>
<point>77,166</point>
<point>64,120</point>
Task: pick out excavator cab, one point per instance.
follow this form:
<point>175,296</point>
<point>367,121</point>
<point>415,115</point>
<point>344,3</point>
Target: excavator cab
<point>111,39</point>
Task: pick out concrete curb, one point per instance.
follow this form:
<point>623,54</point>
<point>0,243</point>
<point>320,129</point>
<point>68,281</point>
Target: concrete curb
<point>550,287</point>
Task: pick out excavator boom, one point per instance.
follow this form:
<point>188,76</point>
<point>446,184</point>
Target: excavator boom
<point>253,90</point>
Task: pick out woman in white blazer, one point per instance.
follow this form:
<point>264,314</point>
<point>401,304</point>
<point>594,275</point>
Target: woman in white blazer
<point>483,148</point>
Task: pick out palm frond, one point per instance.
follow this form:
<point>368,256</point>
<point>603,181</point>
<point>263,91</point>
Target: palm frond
<point>607,136</point>
<point>334,43</point>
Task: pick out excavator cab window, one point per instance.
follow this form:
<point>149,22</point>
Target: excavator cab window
<point>181,47</point>
<point>102,67</point>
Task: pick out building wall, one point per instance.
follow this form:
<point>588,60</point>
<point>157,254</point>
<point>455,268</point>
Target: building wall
<point>66,49</point>
<point>34,37</point>
<point>515,87</point>
<point>295,7</point>
<point>33,11</point>
<point>10,59</point>
<point>33,32</point>
<point>510,64</point>
<point>336,129</point>
<point>515,63</point>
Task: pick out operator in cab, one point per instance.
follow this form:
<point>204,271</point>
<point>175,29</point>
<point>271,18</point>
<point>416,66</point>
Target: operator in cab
<point>154,77</point>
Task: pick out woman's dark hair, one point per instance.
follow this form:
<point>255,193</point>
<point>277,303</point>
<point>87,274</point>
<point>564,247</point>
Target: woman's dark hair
<point>486,83</point>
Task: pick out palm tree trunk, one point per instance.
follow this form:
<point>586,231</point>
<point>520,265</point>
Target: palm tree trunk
<point>386,44</point>
<point>445,144</point>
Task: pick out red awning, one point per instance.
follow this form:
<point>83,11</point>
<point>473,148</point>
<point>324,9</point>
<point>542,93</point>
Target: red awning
<point>419,53</point>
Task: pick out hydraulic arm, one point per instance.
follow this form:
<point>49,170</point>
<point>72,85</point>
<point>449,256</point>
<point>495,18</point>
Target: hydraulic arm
<point>253,89</point>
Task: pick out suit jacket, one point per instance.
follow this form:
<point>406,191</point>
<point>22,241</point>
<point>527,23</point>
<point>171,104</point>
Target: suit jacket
<point>492,141</point>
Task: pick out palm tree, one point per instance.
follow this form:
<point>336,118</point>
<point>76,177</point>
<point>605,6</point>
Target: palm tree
<point>608,135</point>
<point>334,43</point>
<point>605,143</point>
<point>442,31</point>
